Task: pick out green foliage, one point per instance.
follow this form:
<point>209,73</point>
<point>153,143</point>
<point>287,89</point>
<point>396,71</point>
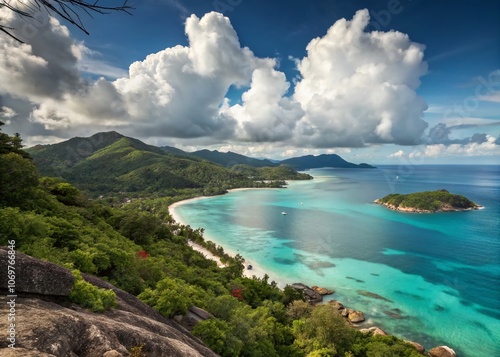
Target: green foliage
<point>429,200</point>
<point>63,191</point>
<point>262,331</point>
<point>381,346</point>
<point>291,295</point>
<point>137,351</point>
<point>323,352</point>
<point>18,179</point>
<point>89,296</point>
<point>219,336</point>
<point>299,309</point>
<point>172,297</point>
<point>323,329</point>
<point>11,144</point>
<point>257,290</point>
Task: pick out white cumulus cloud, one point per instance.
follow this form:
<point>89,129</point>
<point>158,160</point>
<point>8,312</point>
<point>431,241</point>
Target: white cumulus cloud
<point>359,88</point>
<point>355,88</point>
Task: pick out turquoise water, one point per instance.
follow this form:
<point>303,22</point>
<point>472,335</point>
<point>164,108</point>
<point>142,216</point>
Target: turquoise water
<point>437,275</point>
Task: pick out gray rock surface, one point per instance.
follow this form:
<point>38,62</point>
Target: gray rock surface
<point>43,326</point>
<point>55,327</point>
<point>32,276</point>
<point>309,294</point>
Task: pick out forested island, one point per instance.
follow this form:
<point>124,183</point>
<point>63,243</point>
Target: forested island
<point>427,201</point>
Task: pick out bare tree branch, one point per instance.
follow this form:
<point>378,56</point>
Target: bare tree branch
<point>66,9</point>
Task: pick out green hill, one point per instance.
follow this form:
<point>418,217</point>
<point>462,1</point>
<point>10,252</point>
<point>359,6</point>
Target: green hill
<point>57,158</point>
<point>111,162</point>
<point>428,201</point>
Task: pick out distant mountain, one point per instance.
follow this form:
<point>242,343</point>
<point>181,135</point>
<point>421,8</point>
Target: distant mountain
<point>111,162</point>
<point>325,160</point>
<point>54,159</point>
<point>228,159</point>
<point>174,151</point>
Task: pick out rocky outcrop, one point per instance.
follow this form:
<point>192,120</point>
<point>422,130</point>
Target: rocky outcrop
<point>355,316</point>
<point>55,327</point>
<point>351,315</point>
<point>418,346</point>
<point>322,291</point>
<point>376,331</point>
<point>193,317</point>
<point>442,351</point>
<point>336,304</point>
<point>33,277</point>
<point>308,294</point>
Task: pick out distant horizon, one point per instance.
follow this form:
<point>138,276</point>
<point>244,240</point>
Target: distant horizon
<point>402,163</point>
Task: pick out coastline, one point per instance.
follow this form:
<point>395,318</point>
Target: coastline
<point>418,210</point>
<point>256,270</point>
<point>259,272</point>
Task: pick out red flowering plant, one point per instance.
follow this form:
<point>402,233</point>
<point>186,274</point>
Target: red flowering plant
<point>142,254</point>
<point>237,293</point>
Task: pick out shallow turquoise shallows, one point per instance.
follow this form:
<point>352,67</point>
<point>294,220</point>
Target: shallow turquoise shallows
<point>436,276</point>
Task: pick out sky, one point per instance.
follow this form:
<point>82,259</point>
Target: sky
<point>398,82</point>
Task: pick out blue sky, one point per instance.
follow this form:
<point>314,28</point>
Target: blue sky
<point>453,112</point>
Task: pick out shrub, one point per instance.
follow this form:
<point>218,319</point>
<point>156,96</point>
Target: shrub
<point>90,296</point>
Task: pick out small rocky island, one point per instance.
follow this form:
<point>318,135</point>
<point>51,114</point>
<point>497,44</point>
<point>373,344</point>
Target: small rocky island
<point>428,201</point>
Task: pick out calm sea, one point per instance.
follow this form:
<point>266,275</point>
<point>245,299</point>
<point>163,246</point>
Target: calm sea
<point>431,278</point>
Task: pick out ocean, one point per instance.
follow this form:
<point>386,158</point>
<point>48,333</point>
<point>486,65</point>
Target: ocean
<point>430,278</point>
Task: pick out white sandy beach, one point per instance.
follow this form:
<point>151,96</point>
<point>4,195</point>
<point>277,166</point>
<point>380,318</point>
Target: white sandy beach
<point>256,270</point>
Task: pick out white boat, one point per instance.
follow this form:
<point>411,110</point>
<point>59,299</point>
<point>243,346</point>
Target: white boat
<point>283,213</point>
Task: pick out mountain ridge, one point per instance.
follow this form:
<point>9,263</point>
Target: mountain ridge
<point>80,148</point>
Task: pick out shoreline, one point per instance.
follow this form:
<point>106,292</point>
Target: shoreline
<point>259,272</point>
<point>418,210</point>
<point>256,270</point>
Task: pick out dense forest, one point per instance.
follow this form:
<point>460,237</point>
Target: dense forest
<point>140,249</point>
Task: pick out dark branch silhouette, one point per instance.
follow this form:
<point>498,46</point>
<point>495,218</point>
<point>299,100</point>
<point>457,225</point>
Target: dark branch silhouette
<point>66,9</point>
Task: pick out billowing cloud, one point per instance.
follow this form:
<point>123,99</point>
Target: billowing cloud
<point>359,88</point>
<point>266,114</point>
<point>176,92</point>
<point>355,88</point>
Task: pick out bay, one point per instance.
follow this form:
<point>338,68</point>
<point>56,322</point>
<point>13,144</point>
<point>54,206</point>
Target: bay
<point>436,276</point>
